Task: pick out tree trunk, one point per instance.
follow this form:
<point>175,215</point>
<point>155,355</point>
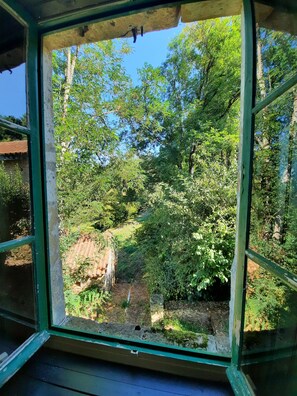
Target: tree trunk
<point>260,77</point>
<point>287,175</point>
<point>69,73</point>
<point>270,220</point>
<point>191,159</point>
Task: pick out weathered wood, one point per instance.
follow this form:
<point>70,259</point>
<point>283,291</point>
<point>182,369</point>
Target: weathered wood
<point>152,20</point>
<point>209,9</point>
<point>51,372</point>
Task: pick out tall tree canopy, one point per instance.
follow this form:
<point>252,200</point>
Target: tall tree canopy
<point>168,145</point>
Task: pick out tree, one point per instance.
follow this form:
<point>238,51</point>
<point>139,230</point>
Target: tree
<point>195,91</point>
<point>274,195</point>
<point>188,240</point>
<point>89,86</point>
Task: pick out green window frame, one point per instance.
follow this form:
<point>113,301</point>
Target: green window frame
<point>249,110</point>
<point>36,239</point>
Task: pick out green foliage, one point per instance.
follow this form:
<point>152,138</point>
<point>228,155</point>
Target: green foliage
<point>87,303</point>
<point>184,326</point>
<point>125,304</point>
<point>182,333</point>
<point>184,132</point>
<point>130,259</point>
<point>14,202</point>
<point>186,339</point>
<point>270,304</point>
<point>12,185</point>
<point>67,239</point>
<point>102,196</point>
<point>188,240</point>
<point>169,145</point>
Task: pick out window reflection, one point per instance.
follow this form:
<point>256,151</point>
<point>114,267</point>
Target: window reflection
<point>12,69</point>
<point>15,186</point>
<point>274,192</point>
<point>269,333</point>
<point>16,283</point>
<point>276,45</point>
<point>12,335</point>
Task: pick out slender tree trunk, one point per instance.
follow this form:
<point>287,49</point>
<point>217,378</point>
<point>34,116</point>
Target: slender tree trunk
<point>261,84</point>
<point>69,73</point>
<point>287,175</point>
<point>270,221</point>
<point>191,159</point>
<point>260,76</point>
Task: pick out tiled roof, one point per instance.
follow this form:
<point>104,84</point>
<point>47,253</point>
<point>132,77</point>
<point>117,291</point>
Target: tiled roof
<point>14,147</point>
<point>86,249</point>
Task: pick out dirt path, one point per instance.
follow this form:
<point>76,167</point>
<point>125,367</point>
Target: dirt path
<point>136,311</point>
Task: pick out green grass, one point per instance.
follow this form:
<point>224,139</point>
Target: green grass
<point>130,260</point>
<point>125,233</point>
<point>186,339</point>
<point>183,326</point>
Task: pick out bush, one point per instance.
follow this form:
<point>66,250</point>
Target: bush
<point>270,305</point>
<point>89,302</point>
<point>14,203</point>
<point>188,240</point>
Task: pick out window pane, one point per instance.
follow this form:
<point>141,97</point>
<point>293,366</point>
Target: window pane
<point>16,283</point>
<point>274,193</point>
<point>15,186</point>
<point>270,334</point>
<point>147,233</point>
<point>276,45</point>
<point>12,335</point>
<point>12,69</point>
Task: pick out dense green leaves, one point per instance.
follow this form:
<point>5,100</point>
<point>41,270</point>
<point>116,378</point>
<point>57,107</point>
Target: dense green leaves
<point>167,145</point>
<point>189,237</point>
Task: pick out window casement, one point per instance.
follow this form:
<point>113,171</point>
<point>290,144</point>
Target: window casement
<point>23,299</point>
<point>263,273</point>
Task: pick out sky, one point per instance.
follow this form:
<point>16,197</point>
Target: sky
<point>150,48</point>
<point>13,92</point>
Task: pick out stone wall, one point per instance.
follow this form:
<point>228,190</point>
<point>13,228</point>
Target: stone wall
<point>55,263</point>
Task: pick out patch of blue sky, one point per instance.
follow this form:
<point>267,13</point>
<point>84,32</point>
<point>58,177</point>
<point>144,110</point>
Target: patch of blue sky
<point>152,48</point>
<point>13,92</point>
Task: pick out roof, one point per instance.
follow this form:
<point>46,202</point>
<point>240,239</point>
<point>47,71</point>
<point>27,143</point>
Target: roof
<point>87,250</point>
<point>14,147</point>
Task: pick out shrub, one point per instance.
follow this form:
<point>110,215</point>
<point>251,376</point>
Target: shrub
<point>14,203</point>
<point>188,240</point>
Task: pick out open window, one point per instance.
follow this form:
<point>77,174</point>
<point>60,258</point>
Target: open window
<point>142,175</point>
<point>266,333</point>
<point>21,240</point>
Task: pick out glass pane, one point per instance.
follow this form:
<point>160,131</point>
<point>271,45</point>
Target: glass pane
<point>270,331</point>
<point>147,233</point>
<point>276,45</point>
<point>274,195</point>
<point>12,69</point>
<point>12,335</point>
<point>15,212</point>
<point>16,283</point>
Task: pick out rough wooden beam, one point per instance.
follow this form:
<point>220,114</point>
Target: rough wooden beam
<point>210,9</point>
<point>280,21</point>
<point>262,11</point>
<point>151,20</point>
